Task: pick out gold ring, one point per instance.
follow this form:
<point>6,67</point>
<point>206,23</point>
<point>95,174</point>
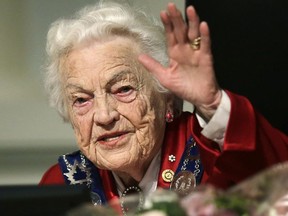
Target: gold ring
<point>195,44</point>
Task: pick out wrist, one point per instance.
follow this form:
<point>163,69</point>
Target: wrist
<point>206,111</point>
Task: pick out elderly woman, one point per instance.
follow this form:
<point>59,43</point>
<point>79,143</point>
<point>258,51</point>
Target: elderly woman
<point>120,79</point>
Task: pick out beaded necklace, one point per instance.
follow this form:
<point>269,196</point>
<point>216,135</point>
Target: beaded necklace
<point>131,202</point>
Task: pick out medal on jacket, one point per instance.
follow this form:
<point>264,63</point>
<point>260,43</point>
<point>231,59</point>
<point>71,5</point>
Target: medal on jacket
<point>183,183</point>
<point>189,171</point>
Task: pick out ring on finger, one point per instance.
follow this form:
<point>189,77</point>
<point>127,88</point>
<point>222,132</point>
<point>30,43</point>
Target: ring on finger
<point>195,44</point>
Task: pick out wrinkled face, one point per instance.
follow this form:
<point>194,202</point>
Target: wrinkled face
<point>117,115</point>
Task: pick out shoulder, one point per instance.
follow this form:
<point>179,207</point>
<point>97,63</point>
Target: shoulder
<point>53,176</point>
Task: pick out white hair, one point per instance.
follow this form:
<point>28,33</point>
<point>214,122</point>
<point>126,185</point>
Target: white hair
<point>96,22</point>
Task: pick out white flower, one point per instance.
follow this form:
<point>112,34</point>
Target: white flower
<point>172,158</point>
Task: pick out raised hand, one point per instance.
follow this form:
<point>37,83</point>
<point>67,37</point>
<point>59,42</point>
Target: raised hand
<point>190,74</point>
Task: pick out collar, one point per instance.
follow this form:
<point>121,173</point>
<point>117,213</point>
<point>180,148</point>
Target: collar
<point>148,184</point>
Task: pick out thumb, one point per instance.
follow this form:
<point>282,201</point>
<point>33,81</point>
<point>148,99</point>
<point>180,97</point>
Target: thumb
<point>152,65</point>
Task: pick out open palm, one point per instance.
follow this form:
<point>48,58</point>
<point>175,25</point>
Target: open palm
<point>190,74</point>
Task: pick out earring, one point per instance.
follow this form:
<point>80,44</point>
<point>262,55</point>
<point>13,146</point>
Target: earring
<point>169,117</point>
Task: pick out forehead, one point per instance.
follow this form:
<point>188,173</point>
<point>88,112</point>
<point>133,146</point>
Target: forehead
<point>102,56</point>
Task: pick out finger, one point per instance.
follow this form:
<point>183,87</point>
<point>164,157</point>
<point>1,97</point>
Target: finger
<point>205,38</point>
<point>193,22</point>
<point>179,25</point>
<point>168,28</point>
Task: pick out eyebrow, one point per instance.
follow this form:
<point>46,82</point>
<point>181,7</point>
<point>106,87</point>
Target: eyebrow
<point>74,86</point>
<point>77,88</point>
<point>119,76</point>
<point>114,79</point>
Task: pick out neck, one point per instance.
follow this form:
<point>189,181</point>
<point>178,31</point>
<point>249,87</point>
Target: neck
<point>134,175</point>
<point>127,180</point>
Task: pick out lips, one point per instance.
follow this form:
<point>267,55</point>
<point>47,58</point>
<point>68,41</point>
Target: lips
<point>107,139</point>
<point>111,137</point>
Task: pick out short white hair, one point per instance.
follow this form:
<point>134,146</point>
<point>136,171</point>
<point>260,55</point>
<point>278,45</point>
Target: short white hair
<point>96,22</point>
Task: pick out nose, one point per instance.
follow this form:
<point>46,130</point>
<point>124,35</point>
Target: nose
<point>104,111</point>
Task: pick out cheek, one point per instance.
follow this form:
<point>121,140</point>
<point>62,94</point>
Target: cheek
<point>148,119</point>
<point>82,126</point>
<point>83,109</point>
<point>149,110</point>
<point>135,112</point>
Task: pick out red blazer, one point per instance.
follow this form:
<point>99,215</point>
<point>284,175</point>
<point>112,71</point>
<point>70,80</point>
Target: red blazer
<point>250,145</point>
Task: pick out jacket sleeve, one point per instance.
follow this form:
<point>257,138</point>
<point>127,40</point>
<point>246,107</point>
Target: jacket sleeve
<point>53,176</point>
<point>251,144</point>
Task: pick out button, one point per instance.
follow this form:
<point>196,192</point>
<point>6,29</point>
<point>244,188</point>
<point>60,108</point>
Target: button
<point>167,175</point>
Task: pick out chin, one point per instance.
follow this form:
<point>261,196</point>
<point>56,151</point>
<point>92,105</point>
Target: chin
<point>120,165</point>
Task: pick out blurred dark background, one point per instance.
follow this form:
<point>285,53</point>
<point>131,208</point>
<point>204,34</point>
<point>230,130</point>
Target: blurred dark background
<point>250,48</point>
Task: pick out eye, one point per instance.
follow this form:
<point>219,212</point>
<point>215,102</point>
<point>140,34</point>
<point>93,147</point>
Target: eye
<point>125,93</point>
<point>125,90</point>
<point>81,101</point>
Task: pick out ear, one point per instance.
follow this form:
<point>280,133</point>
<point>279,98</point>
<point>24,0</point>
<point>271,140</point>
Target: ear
<point>169,113</point>
<point>174,105</point>
<point>170,102</point>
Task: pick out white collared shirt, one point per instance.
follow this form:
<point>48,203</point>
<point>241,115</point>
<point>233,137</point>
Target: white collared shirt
<point>150,180</point>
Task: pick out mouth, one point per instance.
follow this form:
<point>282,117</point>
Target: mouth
<point>111,138</point>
